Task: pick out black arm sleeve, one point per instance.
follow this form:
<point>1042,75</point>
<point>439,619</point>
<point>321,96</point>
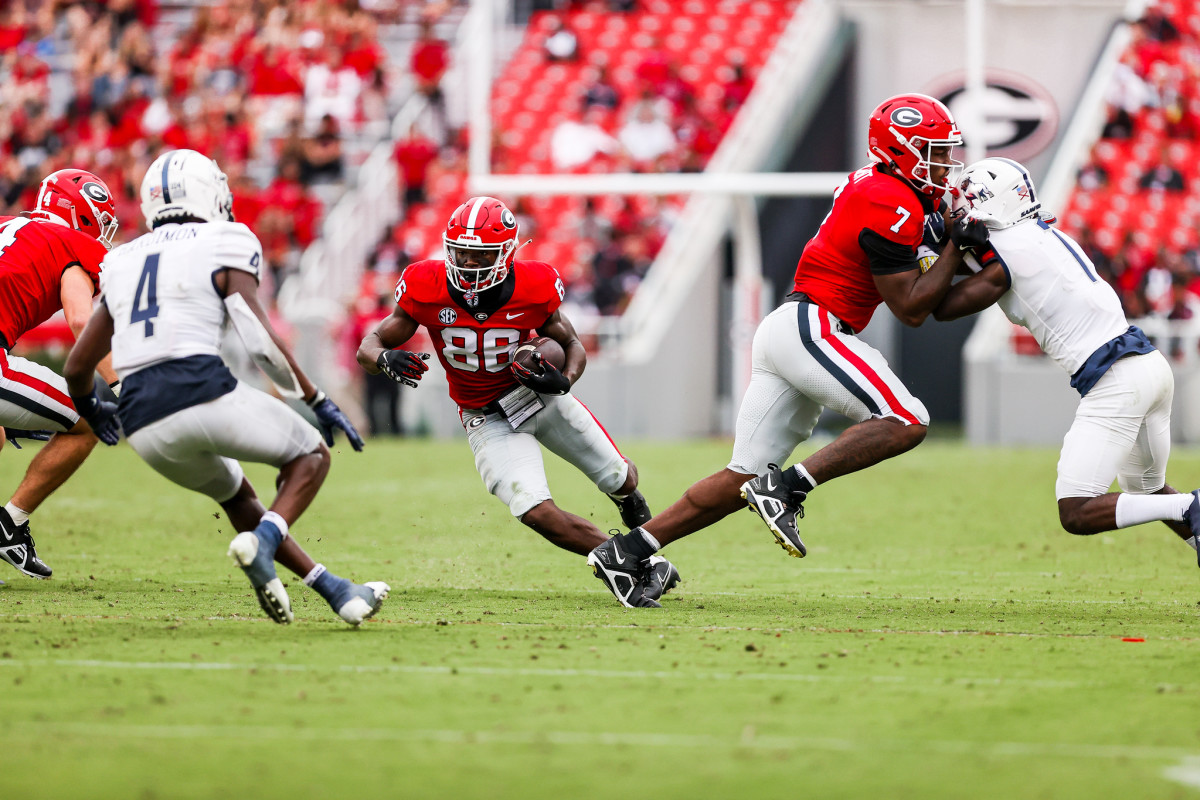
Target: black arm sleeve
<point>886,257</point>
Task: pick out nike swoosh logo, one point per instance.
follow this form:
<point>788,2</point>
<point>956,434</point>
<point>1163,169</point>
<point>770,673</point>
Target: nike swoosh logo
<point>770,486</point>
<point>514,316</point>
<point>617,556</point>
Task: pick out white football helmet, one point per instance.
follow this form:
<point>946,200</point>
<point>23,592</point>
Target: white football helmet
<point>184,183</point>
<point>997,191</point>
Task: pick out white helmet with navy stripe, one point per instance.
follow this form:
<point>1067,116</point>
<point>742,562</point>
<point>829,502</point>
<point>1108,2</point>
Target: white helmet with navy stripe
<point>182,184</point>
<point>997,191</point>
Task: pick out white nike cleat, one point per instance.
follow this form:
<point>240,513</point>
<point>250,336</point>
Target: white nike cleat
<point>366,600</point>
<point>259,567</point>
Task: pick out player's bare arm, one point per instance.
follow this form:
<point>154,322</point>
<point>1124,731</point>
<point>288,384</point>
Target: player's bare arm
<point>560,329</point>
<point>76,294</point>
<point>912,295</point>
<point>974,294</point>
<point>235,281</point>
<point>91,346</point>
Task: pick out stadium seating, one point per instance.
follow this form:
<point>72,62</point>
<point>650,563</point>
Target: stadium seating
<point>531,96</point>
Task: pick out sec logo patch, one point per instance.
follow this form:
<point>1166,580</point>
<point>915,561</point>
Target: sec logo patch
<point>447,316</point>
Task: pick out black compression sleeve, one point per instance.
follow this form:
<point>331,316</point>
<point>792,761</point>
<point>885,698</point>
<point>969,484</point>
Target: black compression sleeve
<point>885,256</point>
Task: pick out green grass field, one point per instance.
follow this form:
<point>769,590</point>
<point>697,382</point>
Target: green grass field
<point>942,639</point>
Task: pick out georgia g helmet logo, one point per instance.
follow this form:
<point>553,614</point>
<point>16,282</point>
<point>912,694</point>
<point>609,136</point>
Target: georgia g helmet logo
<point>906,117</point>
<point>507,219</point>
<point>95,192</point>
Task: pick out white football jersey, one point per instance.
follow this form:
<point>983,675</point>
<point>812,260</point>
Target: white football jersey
<point>1055,292</point>
<point>160,294</point>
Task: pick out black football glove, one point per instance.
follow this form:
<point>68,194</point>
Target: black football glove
<point>934,235</point>
<point>403,366</point>
<point>101,415</point>
<point>972,234</point>
<point>12,434</point>
<point>329,416</point>
<point>549,380</point>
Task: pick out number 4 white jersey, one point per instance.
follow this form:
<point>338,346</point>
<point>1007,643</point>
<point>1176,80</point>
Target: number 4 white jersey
<point>1054,291</point>
<point>159,291</point>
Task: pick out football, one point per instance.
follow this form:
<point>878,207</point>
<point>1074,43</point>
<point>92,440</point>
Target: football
<point>550,350</point>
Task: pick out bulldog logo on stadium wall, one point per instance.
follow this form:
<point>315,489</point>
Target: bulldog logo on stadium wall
<point>1020,116</point>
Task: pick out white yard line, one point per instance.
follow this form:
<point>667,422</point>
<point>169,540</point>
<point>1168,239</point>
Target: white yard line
<point>412,669</point>
<point>748,738</point>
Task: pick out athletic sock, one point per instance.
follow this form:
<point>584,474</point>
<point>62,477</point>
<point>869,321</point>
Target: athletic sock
<point>269,534</point>
<point>19,516</point>
<point>328,585</point>
<point>616,498</point>
<point>279,522</point>
<point>639,543</point>
<point>797,479</point>
<point>1134,509</point>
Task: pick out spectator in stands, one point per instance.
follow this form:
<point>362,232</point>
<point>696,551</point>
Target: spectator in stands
<point>1156,25</point>
<point>413,156</point>
<point>561,44</point>
<point>429,61</point>
<point>331,87</point>
<point>647,138</point>
<point>600,91</point>
<point>1092,175</point>
<point>321,159</point>
<point>593,226</point>
<point>1162,176</point>
<point>574,143</point>
<point>736,84</point>
<point>653,69</point>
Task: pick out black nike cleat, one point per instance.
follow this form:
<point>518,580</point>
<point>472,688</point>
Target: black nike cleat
<point>623,573</point>
<point>16,547</point>
<point>779,507</point>
<point>659,577</point>
<point>634,510</point>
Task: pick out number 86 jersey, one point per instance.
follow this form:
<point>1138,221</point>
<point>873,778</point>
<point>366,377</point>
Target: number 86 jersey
<point>475,335</point>
<point>159,291</point>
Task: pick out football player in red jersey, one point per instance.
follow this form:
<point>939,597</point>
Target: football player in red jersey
<point>49,260</point>
<point>806,356</point>
<point>477,306</point>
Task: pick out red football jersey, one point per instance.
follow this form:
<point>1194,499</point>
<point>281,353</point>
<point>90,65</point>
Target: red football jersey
<point>33,256</point>
<point>834,270</point>
<point>476,353</point>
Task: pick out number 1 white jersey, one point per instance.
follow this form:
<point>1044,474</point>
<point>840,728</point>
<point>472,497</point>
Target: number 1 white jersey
<point>159,291</point>
<point>1055,293</point>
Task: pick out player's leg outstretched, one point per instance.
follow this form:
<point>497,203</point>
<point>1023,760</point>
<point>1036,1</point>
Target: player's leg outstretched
<point>779,506</point>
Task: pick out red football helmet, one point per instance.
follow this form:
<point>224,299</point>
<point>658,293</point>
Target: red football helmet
<point>480,240</point>
<point>78,199</point>
<point>902,133</point>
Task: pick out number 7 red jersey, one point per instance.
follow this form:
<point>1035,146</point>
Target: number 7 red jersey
<point>834,269</point>
<point>475,346</point>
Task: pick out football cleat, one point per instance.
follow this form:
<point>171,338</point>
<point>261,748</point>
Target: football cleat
<point>363,601</point>
<point>16,547</point>
<point>778,506</point>
<point>1192,518</point>
<point>659,577</point>
<point>634,510</point>
<point>623,573</point>
<point>258,562</point>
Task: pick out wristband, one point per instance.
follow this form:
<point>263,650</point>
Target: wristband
<point>316,399</point>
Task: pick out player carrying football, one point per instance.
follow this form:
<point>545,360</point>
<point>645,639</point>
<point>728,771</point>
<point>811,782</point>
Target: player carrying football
<point>1043,281</point>
<point>805,353</point>
<point>477,306</point>
<point>49,260</point>
<point>164,299</point>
